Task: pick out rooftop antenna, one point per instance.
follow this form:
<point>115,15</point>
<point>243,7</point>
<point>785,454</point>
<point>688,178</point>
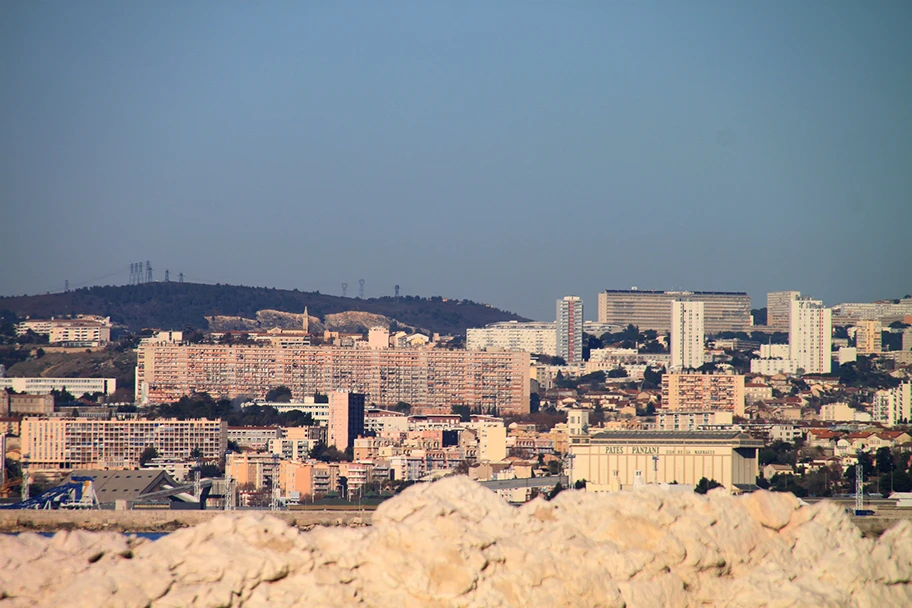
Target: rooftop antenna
<point>344,289</point>
<point>361,288</point>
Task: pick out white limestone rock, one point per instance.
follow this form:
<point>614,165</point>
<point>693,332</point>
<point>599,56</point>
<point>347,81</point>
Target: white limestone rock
<point>453,543</point>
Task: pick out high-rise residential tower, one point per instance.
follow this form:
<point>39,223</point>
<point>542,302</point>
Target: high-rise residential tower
<point>868,337</point>
<point>686,335</point>
<point>570,329</point>
<point>778,309</point>
<point>810,335</point>
<point>346,419</point>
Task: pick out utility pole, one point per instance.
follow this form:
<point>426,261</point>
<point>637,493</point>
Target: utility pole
<point>24,490</point>
<point>859,484</point>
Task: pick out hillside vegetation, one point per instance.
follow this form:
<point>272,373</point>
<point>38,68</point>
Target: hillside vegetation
<point>178,305</point>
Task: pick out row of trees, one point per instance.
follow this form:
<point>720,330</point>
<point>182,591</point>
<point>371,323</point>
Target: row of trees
<point>202,405</point>
<point>886,471</point>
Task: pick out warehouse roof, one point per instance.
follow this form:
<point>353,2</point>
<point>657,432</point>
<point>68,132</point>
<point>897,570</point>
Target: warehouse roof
<point>118,484</point>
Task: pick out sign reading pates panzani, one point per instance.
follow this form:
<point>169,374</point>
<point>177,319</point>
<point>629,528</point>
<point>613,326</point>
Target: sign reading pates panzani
<point>654,450</point>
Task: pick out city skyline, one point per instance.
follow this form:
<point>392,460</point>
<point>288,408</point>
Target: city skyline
<point>737,148</point>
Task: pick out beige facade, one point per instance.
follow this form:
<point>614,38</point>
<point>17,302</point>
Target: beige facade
<point>778,309</point>
<point>80,443</point>
<point>617,459</point>
<point>723,311</point>
<point>868,337</point>
<point>492,443</point>
<point>25,404</point>
<point>703,392</point>
<point>421,377</point>
<point>346,419</point>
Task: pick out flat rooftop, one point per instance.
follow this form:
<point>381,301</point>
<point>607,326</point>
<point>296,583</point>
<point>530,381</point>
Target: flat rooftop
<point>681,437</point>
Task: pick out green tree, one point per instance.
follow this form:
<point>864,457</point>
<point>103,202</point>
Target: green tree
<point>62,396</point>
<point>464,412</point>
<point>403,407</point>
<point>557,489</point>
<point>325,453</point>
<point>884,460</point>
<point>705,485</point>
<point>280,394</point>
<point>147,454</point>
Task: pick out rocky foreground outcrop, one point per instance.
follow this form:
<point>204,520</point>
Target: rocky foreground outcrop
<point>453,543</point>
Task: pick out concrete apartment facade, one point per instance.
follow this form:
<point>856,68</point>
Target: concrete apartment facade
<point>893,406</point>
<point>81,443</point>
<point>778,309</point>
<point>84,331</point>
<point>686,335</point>
<point>346,419</point>
<point>810,336</point>
<point>618,460</point>
<point>868,337</point>
<point>421,377</point>
<point>885,311</point>
<point>534,337</point>
<point>723,311</point>
<point>703,392</point>
<point>569,329</point>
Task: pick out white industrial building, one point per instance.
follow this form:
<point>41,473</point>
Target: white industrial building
<point>614,460</point>
<point>75,386</point>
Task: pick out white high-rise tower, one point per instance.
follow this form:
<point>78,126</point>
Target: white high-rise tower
<point>570,329</point>
<point>810,335</point>
<point>686,335</point>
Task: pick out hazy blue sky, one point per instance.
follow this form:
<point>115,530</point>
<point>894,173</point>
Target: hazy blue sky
<point>506,152</point>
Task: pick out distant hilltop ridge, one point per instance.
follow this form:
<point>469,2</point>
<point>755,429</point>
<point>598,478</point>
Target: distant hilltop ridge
<point>347,322</point>
<point>171,305</point>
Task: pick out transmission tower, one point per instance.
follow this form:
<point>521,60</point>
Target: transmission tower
<point>397,292</point>
<point>361,288</point>
<point>180,278</point>
<point>66,286</point>
<point>167,275</point>
<point>148,271</point>
<point>344,289</point>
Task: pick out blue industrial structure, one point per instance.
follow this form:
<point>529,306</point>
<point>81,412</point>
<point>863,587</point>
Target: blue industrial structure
<point>78,493</point>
